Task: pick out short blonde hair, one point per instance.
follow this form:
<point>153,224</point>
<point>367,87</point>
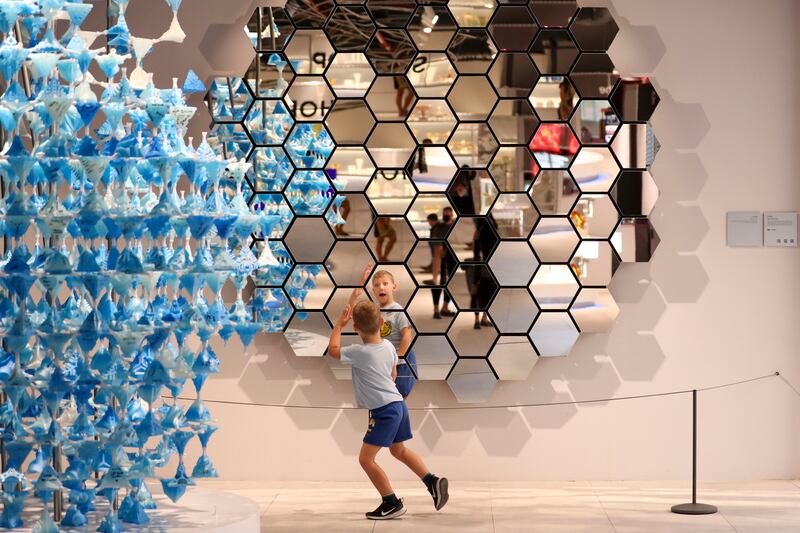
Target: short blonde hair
<point>367,317</point>
<point>382,274</point>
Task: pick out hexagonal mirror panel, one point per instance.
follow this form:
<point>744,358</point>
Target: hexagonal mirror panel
<point>594,263</point>
<point>472,334</point>
<point>309,51</point>
<point>269,29</point>
<point>472,51</point>
<point>472,380</point>
<point>350,28</point>
<point>513,263</point>
<point>487,156</point>
<point>391,192</point>
<point>431,27</point>
<point>435,357</point>
<point>269,75</point>
<point>513,357</point>
<point>554,334</point>
<point>229,99</point>
<point>554,239</point>
<point>350,75</point>
<point>390,239</point>
<point>513,311</point>
<point>350,168</point>
<point>554,287</point>
<point>308,334</point>
<point>309,98</point>
<point>513,28</point>
<point>472,192</point>
<point>594,310</point>
<point>595,122</point>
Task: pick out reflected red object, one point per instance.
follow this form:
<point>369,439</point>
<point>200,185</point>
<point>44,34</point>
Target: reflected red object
<point>555,139</point>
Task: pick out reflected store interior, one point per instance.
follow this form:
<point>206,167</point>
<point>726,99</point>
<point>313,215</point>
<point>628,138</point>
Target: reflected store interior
<point>498,166</point>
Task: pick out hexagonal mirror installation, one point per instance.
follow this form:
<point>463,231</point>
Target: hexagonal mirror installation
<point>487,155</point>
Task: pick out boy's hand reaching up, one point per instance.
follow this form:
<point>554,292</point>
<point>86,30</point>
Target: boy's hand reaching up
<point>366,273</point>
<point>358,291</point>
<point>344,318</point>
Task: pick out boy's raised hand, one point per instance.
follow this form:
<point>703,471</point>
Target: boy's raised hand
<point>360,289</point>
<point>366,273</point>
<point>344,318</point>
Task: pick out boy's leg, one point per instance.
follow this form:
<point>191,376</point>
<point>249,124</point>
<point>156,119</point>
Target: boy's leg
<point>379,248</point>
<point>389,245</point>
<point>409,458</point>
<point>437,486</point>
<point>377,476</point>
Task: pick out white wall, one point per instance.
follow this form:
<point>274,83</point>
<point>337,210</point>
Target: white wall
<point>700,314</point>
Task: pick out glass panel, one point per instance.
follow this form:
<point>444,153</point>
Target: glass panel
<point>472,380</point>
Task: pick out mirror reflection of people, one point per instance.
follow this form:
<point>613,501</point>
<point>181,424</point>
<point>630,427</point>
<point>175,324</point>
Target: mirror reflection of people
<point>479,284</point>
<point>404,97</point>
<point>387,236</point>
<point>566,93</point>
<point>396,327</point>
<point>443,263</point>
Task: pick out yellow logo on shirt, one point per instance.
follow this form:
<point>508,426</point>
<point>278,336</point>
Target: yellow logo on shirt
<point>386,329</point>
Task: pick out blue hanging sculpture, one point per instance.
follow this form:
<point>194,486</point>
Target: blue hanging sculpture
<point>120,237</point>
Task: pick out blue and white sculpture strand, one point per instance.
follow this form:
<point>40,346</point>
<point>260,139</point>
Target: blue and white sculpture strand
<point>120,237</point>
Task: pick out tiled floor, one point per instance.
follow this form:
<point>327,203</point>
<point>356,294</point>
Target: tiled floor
<point>558,507</point>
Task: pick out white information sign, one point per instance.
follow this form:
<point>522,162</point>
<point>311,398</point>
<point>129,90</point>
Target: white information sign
<point>745,228</point>
<point>780,228</point>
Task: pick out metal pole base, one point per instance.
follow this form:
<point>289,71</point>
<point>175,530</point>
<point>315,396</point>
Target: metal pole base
<point>694,508</point>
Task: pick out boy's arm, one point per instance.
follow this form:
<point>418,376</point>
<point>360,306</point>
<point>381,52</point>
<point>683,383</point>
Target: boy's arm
<point>358,290</point>
<point>406,337</point>
<point>394,373</point>
<point>335,342</point>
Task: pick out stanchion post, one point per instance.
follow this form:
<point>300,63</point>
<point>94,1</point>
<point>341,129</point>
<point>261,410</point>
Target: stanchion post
<point>58,496</point>
<point>694,508</point>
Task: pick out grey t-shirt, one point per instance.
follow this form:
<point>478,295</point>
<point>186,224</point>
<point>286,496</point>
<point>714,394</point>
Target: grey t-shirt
<point>372,373</point>
<point>393,323</point>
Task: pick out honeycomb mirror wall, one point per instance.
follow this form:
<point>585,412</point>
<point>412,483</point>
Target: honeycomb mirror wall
<point>489,156</point>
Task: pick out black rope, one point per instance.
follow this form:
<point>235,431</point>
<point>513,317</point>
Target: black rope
<point>506,406</point>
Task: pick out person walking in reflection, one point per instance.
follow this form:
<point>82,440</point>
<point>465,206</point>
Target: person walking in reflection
<point>374,367</point>
<point>387,236</point>
<point>443,263</point>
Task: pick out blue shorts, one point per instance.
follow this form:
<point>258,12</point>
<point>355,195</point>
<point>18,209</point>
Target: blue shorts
<point>406,374</point>
<point>388,425</point>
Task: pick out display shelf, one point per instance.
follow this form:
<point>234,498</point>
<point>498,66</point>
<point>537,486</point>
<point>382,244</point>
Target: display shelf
<point>434,78</point>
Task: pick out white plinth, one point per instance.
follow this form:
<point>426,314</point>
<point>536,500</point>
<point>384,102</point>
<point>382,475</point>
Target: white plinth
<point>200,510</point>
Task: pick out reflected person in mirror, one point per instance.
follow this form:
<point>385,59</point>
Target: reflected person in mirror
<point>374,367</point>
<point>443,263</point>
<point>396,326</point>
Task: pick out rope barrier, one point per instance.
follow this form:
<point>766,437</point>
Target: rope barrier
<point>504,406</point>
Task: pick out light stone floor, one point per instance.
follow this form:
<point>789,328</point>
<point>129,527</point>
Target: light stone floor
<point>557,507</point>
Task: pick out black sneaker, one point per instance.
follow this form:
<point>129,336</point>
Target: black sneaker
<point>439,492</point>
<point>387,511</point>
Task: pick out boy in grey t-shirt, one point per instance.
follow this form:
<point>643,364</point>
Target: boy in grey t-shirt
<point>396,327</point>
<point>374,371</point>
